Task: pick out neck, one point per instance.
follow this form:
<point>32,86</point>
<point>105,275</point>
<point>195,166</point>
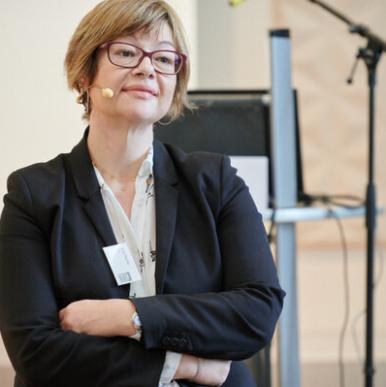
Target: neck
<point>117,149</point>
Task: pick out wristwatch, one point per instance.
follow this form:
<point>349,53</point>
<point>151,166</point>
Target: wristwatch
<point>136,321</point>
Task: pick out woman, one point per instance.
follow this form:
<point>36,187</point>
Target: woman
<point>138,265</point>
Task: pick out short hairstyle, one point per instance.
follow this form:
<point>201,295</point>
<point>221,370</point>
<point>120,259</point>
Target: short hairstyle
<point>111,19</point>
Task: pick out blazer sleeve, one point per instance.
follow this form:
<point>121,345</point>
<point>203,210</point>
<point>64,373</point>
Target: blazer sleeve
<point>240,320</point>
<point>42,354</point>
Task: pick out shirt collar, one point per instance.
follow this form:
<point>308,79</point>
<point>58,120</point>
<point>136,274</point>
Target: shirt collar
<point>146,168</point>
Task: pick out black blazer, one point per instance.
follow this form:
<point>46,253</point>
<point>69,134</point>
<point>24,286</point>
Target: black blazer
<point>217,291</point>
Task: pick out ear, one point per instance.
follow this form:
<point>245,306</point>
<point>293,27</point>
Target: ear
<point>83,84</point>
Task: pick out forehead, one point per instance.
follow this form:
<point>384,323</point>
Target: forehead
<point>160,35</point>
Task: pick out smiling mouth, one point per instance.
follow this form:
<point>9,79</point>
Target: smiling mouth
<point>142,90</point>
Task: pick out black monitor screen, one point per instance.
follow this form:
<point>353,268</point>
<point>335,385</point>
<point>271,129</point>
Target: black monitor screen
<point>235,123</point>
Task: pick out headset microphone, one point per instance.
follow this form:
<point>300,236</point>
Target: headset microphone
<point>107,92</point>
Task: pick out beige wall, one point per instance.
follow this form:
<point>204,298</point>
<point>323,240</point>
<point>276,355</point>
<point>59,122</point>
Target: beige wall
<point>334,139</point>
<point>333,114</point>
<point>39,119</point>
<point>334,130</point>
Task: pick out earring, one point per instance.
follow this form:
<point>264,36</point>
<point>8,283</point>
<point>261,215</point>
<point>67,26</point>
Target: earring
<point>166,122</point>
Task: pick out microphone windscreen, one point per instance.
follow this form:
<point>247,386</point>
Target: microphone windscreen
<point>107,92</point>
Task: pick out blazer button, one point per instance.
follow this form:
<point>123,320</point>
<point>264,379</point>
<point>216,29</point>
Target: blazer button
<point>174,342</point>
<point>183,343</point>
<point>166,341</point>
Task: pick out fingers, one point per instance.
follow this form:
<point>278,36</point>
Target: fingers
<point>188,368</point>
<point>215,371</point>
<point>207,372</point>
<point>212,372</point>
<point>70,317</point>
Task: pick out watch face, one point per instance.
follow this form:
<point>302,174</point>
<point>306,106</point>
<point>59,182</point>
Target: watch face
<point>136,321</point>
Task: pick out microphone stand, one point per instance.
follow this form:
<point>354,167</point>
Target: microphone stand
<point>371,55</point>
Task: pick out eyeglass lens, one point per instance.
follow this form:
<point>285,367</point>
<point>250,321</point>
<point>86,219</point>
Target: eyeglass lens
<point>126,55</point>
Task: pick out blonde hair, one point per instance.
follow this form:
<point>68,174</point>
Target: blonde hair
<point>111,19</point>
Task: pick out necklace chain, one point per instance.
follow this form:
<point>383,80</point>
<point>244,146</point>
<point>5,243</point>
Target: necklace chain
<point>111,176</point>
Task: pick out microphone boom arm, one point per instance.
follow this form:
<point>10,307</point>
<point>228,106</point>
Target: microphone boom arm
<point>354,28</point>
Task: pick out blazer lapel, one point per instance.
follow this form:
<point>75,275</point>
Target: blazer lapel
<point>87,186</point>
<point>96,211</point>
<point>166,198</point>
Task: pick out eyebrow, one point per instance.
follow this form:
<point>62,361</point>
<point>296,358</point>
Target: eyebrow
<point>168,42</point>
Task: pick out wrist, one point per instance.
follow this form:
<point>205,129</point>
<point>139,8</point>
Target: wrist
<point>124,310</point>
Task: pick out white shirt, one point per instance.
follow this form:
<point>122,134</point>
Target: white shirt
<point>139,234</point>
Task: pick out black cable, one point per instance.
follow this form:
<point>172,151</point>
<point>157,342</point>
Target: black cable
<point>341,200</point>
<point>346,291</point>
<point>349,202</point>
<point>356,202</point>
<point>361,313</point>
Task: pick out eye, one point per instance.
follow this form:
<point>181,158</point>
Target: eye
<point>125,53</point>
<point>165,58</point>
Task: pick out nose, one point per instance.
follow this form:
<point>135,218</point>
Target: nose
<point>145,68</point>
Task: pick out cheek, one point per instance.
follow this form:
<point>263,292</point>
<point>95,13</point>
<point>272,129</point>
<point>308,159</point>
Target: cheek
<point>169,91</point>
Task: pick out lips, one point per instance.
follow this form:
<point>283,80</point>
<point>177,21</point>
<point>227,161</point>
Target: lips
<point>143,89</point>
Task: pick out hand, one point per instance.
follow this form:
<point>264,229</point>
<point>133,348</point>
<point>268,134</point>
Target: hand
<point>212,372</point>
<point>203,371</point>
<point>99,317</point>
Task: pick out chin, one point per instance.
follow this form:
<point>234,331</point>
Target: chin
<point>146,117</point>
<point>141,119</point>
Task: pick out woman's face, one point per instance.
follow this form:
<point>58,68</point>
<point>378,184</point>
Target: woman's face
<point>141,95</point>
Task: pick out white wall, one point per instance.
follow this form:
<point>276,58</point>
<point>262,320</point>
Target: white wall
<point>39,116</point>
<point>233,44</point>
<point>187,10</point>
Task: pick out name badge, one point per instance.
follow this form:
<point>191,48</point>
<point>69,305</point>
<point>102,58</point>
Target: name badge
<point>122,264</point>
